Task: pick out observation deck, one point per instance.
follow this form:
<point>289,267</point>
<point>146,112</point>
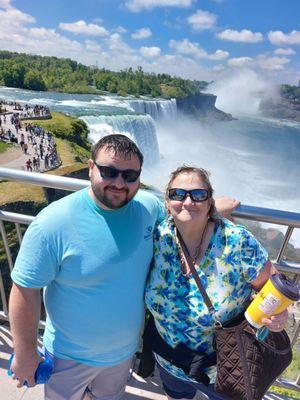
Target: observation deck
<point>137,387</point>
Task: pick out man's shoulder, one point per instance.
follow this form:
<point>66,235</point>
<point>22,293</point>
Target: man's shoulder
<point>145,197</point>
<point>61,209</point>
<point>151,203</point>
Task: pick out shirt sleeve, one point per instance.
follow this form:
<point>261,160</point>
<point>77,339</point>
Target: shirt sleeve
<point>161,213</point>
<point>253,256</point>
<point>36,264</point>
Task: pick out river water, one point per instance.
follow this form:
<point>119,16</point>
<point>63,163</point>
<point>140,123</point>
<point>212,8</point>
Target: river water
<point>254,159</point>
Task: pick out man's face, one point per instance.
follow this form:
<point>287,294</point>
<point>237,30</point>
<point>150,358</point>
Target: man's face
<point>113,193</point>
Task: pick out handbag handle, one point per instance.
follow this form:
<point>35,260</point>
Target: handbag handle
<point>189,260</point>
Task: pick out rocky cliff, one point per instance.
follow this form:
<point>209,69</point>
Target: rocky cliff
<point>202,107</point>
<point>282,108</point>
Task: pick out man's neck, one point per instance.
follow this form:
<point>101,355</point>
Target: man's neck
<point>99,204</point>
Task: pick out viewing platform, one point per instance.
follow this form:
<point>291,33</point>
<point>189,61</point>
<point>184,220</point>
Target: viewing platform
<point>137,388</point>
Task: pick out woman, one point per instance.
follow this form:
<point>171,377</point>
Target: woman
<point>230,263</point>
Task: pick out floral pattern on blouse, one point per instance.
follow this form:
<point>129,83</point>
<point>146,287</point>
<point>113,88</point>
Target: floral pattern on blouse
<point>232,260</point>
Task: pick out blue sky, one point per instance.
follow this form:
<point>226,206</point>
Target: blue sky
<point>205,39</point>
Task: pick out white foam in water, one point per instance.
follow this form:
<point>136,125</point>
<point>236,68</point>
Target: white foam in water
<point>41,101</point>
<point>140,128</point>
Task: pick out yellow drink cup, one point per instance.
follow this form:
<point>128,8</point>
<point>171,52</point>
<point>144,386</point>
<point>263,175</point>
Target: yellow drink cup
<point>273,298</point>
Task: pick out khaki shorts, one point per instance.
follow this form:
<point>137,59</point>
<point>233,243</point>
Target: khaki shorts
<point>71,380</point>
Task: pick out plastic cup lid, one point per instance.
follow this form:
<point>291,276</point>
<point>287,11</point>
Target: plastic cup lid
<point>285,286</point>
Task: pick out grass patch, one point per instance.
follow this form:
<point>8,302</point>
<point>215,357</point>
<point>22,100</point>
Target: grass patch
<point>66,127</point>
<point>18,191</point>
<point>58,123</point>
<point>4,146</point>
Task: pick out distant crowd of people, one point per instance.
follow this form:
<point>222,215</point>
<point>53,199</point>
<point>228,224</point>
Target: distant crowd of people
<point>26,110</point>
<point>41,142</point>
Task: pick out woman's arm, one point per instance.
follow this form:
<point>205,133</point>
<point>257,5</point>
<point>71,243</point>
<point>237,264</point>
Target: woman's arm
<point>275,323</point>
<point>225,205</point>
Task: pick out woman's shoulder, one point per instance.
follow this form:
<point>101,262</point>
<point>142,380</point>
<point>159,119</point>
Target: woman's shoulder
<point>235,232</point>
<point>164,229</point>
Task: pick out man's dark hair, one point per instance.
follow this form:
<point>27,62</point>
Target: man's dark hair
<point>120,144</point>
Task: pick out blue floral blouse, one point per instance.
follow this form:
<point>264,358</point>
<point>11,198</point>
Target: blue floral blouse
<point>232,260</point>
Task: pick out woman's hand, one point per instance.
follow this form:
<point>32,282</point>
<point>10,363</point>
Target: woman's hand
<point>225,205</point>
<point>276,323</point>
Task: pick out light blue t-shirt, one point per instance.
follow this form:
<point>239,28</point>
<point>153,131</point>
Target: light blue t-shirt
<point>93,264</point>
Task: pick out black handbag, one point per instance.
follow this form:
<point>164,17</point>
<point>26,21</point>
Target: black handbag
<point>246,366</point>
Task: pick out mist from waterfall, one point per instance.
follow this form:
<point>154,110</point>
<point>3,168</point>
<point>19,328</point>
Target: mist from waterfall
<point>242,92</point>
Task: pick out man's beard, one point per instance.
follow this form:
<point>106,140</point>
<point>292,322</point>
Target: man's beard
<point>102,198</point>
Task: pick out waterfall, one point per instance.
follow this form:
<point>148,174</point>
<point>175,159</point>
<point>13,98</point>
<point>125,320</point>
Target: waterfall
<point>159,110</point>
<point>140,128</point>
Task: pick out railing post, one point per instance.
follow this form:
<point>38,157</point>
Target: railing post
<point>285,242</point>
<point>6,246</point>
<point>19,233</point>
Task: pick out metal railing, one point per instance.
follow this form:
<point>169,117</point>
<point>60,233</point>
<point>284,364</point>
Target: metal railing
<point>289,219</point>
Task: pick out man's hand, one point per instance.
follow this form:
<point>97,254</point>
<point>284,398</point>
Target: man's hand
<point>23,368</point>
<point>277,322</point>
<point>225,205</point>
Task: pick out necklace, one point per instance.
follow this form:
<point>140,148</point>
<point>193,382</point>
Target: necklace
<point>184,264</point>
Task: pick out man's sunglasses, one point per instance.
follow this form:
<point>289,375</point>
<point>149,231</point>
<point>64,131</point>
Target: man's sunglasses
<point>128,175</point>
<point>196,195</point>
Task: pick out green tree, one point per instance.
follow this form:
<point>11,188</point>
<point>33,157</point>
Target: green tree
<point>34,81</point>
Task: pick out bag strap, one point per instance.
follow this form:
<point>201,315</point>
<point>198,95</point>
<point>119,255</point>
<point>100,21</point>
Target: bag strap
<point>189,260</point>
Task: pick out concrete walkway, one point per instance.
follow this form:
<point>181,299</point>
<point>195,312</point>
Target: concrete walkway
<point>137,388</point>
<point>15,157</point>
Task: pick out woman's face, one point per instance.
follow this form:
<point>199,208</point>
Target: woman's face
<point>188,210</point>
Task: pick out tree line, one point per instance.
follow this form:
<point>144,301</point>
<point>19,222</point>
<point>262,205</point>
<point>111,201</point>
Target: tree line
<point>290,92</point>
<point>65,75</point>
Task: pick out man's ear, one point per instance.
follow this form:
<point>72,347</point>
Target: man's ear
<point>90,164</point>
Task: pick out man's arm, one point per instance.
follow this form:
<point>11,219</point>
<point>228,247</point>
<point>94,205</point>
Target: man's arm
<point>24,315</point>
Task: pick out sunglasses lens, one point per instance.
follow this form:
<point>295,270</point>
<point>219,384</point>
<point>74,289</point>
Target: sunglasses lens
<point>199,194</point>
<point>177,194</point>
<point>130,175</point>
<point>196,195</point>
<point>108,172</point>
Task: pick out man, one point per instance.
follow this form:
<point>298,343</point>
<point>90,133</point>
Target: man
<point>90,251</point>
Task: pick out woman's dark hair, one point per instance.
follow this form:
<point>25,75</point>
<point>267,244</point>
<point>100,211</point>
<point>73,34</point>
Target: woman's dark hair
<point>120,144</point>
<point>202,174</point>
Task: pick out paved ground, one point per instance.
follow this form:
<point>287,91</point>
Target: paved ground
<point>137,388</point>
<point>15,157</point>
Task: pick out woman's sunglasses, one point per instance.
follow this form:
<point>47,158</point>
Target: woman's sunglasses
<point>128,175</point>
<point>196,195</point>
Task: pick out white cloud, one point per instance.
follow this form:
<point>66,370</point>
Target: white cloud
<point>120,29</point>
<point>91,45</point>
<point>278,38</point>
<point>284,52</point>
<point>150,51</point>
<point>11,18</point>
<point>244,35</point>
<point>191,48</point>
<point>219,67</point>
<point>116,44</point>
<point>239,61</point>
<point>142,33</point>
<point>271,63</point>
<point>5,3</point>
<point>82,28</point>
<point>202,20</point>
<point>139,5</point>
